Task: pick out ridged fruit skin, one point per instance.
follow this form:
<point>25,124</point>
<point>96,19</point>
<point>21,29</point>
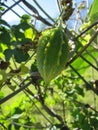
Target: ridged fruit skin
<point>52,53</point>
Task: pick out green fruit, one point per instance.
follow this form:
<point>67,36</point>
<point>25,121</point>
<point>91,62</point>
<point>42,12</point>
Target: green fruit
<point>52,53</point>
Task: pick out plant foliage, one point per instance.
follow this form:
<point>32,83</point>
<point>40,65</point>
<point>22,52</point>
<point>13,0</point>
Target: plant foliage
<point>69,101</point>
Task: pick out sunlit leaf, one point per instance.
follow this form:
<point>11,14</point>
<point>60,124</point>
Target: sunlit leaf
<point>1,55</point>
<point>24,69</point>
<point>93,11</point>
<point>3,47</point>
<point>1,94</point>
<point>91,55</point>
<point>16,116</point>
<point>85,39</point>
<point>85,25</point>
<point>29,33</point>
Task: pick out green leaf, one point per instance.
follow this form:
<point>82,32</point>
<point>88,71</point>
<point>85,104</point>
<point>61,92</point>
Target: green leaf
<point>18,33</point>
<point>12,87</point>
<point>24,69</point>
<point>1,94</point>
<point>93,11</point>
<point>21,42</point>
<point>79,90</point>
<point>16,116</point>
<point>10,126</point>
<point>81,65</point>
<point>3,47</point>
<point>2,8</point>
<point>3,77</point>
<point>34,68</point>
<point>29,33</point>
<point>18,110</point>
<point>20,56</point>
<point>94,121</point>
<point>25,18</point>
<point>24,26</point>
<point>3,22</point>
<point>85,39</point>
<point>5,36</point>
<point>8,54</point>
<point>0,48</point>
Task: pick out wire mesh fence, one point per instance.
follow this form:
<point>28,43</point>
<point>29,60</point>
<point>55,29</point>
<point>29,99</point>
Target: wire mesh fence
<point>43,12</point>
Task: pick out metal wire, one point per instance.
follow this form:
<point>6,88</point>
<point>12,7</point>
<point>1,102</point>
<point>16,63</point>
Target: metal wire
<point>22,8</point>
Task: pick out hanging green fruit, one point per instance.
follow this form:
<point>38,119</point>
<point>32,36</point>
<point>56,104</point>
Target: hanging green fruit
<point>52,53</point>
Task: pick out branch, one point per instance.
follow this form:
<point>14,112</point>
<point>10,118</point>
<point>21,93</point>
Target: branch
<point>28,92</point>
<point>31,7</point>
<point>78,74</point>
<point>42,20</point>
<point>30,126</point>
<point>15,92</point>
<point>89,86</point>
<point>89,62</point>
<point>10,8</point>
<point>34,75</point>
<point>83,104</point>
<point>45,107</point>
<point>90,54</point>
<point>22,8</point>
<point>39,97</point>
<point>3,126</point>
<point>95,23</point>
<point>52,113</point>
<point>37,16</point>
<point>83,49</point>
<point>59,6</point>
<point>43,11</point>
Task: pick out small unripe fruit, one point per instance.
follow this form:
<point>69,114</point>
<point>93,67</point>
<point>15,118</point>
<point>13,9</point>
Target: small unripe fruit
<point>52,53</point>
